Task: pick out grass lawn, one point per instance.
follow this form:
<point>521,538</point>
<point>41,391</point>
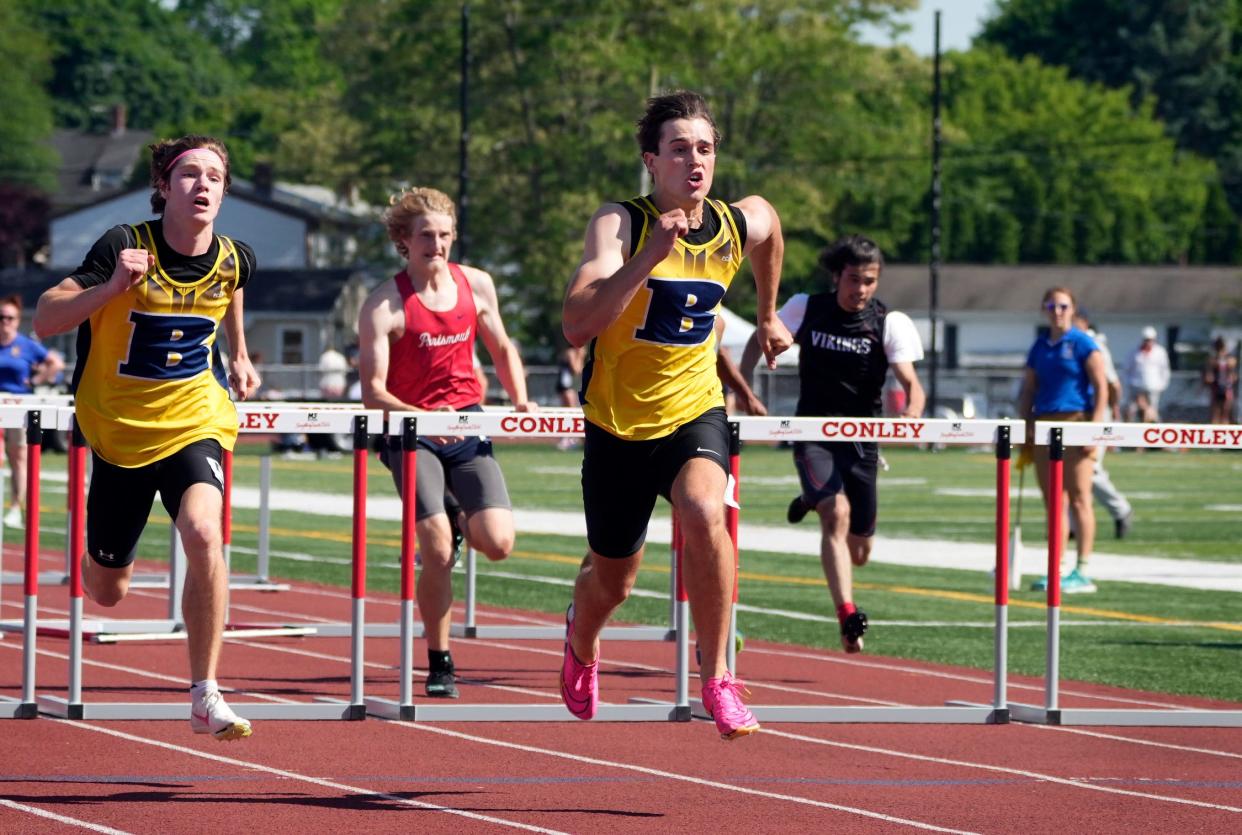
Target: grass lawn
<point>1187,505</point>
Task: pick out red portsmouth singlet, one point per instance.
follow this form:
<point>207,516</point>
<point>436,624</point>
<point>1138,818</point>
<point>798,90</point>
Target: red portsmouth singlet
<point>432,365</point>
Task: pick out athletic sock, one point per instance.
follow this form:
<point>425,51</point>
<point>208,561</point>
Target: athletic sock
<point>439,659</point>
<point>199,689</point>
<point>844,611</point>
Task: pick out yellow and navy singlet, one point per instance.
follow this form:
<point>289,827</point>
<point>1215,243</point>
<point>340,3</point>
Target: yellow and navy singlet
<point>148,380</point>
<point>654,368</point>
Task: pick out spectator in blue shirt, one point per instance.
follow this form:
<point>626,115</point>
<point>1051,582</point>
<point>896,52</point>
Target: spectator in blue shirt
<point>1065,380</point>
<point>24,364</point>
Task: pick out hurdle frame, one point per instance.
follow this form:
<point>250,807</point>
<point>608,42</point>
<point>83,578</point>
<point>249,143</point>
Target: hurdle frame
<point>11,417</point>
<point>554,424</point>
<point>1000,434</point>
<point>1057,435</point>
<point>298,419</point>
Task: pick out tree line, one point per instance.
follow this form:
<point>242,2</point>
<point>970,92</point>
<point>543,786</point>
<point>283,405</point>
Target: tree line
<point>1075,131</point>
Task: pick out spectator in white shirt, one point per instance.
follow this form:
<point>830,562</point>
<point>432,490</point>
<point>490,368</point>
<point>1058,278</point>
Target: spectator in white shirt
<point>1147,375</point>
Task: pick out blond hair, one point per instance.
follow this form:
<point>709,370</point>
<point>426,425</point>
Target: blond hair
<point>409,204</point>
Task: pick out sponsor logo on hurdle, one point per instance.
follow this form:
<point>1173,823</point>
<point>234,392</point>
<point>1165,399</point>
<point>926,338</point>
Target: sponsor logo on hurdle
<point>541,425</point>
<point>866,429</point>
<point>1192,436</point>
<point>783,430</point>
<point>258,420</point>
<point>312,421</point>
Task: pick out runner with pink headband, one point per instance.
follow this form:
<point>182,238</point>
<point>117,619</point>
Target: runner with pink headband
<point>170,165</point>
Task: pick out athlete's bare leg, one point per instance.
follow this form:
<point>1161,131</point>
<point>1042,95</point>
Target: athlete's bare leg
<point>834,547</point>
<point>708,562</point>
<point>602,585</point>
<point>490,531</point>
<point>206,580</point>
<point>435,579</point>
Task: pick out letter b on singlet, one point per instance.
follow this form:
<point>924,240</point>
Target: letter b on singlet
<point>680,311</point>
<point>164,347</point>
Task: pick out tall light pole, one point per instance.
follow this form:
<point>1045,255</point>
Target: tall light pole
<point>935,219</point>
<point>463,166</point>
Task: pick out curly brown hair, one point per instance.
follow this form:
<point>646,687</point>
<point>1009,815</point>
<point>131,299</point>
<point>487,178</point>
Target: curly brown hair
<point>406,205</point>
<point>166,151</point>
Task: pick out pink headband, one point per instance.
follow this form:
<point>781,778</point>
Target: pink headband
<point>175,159</point>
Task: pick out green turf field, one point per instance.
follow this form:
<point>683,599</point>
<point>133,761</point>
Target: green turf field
<point>1133,635</point>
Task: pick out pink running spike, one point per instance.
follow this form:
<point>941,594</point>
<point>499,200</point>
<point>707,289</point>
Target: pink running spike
<point>579,682</point>
<point>722,698</point>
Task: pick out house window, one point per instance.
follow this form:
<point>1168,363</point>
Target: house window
<point>292,342</point>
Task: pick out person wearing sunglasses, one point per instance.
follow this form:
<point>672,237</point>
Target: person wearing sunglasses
<point>1065,379</point>
<point>24,364</point>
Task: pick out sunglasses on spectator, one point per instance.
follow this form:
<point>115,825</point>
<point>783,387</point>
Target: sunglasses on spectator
<point>8,318</point>
<point>1057,306</point>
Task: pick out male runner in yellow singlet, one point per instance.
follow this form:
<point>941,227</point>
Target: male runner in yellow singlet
<point>151,395</point>
<point>644,300</point>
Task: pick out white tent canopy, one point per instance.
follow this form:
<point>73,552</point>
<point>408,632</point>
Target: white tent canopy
<point>737,333</point>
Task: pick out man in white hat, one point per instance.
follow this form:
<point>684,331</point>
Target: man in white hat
<point>1147,375</point>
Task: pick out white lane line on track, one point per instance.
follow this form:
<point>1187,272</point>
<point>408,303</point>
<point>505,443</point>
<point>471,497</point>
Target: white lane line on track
<point>1137,741</point>
<point>686,778</point>
<point>43,813</point>
<point>1064,781</point>
<point>306,778</point>
<point>877,665</point>
<point>799,737</point>
<point>872,664</point>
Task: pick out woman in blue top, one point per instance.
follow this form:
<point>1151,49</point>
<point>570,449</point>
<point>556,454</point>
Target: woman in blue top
<point>23,364</point>
<point>1065,380</point>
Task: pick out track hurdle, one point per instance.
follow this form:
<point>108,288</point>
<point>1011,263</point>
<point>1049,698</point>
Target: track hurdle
<point>1000,434</point>
<point>287,420</point>
<point>12,417</point>
<point>1057,436</point>
<point>59,400</point>
<point>544,424</point>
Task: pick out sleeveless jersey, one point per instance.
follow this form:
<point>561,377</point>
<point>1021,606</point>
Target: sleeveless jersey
<point>432,365</point>
<point>842,362</point>
<point>654,368</point>
<point>151,382</point>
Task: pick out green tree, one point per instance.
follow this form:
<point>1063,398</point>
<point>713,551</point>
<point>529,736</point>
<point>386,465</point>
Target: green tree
<point>556,87</point>
<point>1081,173</point>
<point>1186,56</point>
<point>25,158</point>
<point>134,52</point>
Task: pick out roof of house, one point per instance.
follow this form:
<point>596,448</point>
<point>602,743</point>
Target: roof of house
<point>1115,289</point>
<point>296,291</point>
<point>95,166</point>
<point>311,205</point>
<point>283,291</point>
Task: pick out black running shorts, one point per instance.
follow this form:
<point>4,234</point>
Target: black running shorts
<point>827,468</point>
<point>621,479</point>
<point>119,500</point>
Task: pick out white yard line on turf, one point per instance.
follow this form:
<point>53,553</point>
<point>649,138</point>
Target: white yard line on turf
<point>1196,574</point>
<point>306,778</point>
<point>43,813</point>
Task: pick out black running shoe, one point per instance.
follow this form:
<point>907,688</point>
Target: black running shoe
<point>852,630</point>
<point>442,684</point>
<point>797,511</point>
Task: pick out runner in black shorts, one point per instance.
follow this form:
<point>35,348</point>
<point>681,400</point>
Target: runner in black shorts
<point>622,479</point>
<point>120,497</point>
<point>849,341</point>
<point>644,302</point>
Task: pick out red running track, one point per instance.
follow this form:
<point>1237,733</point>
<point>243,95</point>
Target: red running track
<point>379,776</point>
